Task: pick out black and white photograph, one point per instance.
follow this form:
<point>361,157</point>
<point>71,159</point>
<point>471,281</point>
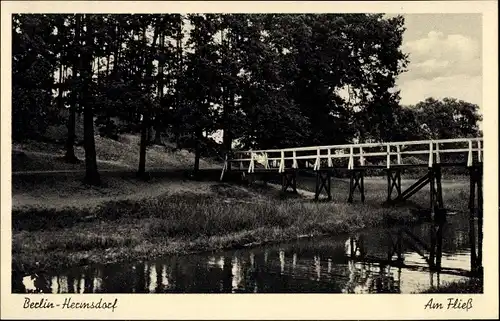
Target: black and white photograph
<point>239,152</point>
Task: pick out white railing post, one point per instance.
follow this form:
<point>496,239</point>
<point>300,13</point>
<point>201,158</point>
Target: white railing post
<point>479,152</point>
<point>388,156</point>
<point>431,154</point>
<point>438,159</point>
<point>318,160</point>
<point>351,159</point>
<point>434,150</point>
<point>224,168</point>
<point>282,162</point>
<point>469,158</point>
<point>252,164</point>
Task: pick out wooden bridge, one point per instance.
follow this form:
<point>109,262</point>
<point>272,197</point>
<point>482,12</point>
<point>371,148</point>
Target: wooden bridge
<point>391,157</point>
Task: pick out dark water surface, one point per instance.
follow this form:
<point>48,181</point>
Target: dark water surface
<point>364,262</point>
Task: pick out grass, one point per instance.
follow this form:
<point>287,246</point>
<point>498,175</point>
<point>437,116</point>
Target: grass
<point>211,216</point>
<point>111,154</point>
<point>175,224</point>
<point>472,285</point>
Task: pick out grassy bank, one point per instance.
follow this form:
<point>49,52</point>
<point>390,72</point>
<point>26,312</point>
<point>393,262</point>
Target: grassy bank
<point>223,216</point>
<point>111,154</point>
<point>472,285</point>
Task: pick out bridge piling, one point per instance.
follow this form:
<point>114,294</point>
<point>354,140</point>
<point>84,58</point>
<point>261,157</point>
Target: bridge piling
<point>436,193</point>
<point>475,173</point>
<point>357,180</point>
<point>289,179</point>
<point>323,182</point>
<point>393,181</point>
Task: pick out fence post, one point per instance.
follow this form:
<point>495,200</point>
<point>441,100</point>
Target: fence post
<point>469,158</point>
<point>431,154</point>
<point>438,159</point>
<point>224,168</point>
<point>388,156</point>
<point>398,149</point>
<point>251,166</point>
<point>295,165</point>
<point>351,159</point>
<point>330,164</point>
<point>282,162</point>
<point>361,157</point>
<point>318,160</point>
<point>479,152</point>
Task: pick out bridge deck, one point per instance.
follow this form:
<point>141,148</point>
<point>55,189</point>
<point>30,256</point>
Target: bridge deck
<point>466,153</point>
<point>262,169</point>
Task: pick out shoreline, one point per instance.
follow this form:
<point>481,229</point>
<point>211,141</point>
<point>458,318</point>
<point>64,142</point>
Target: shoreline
<point>187,217</point>
<point>224,217</point>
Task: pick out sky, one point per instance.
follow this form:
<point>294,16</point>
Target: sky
<point>445,58</point>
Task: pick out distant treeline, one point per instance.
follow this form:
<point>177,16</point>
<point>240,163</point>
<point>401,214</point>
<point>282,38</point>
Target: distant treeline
<point>265,80</point>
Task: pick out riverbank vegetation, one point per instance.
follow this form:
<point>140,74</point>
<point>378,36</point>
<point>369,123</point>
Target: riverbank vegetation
<point>471,285</point>
<point>195,216</point>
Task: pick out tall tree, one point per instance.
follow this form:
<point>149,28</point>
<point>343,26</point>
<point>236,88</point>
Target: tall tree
<point>70,140</point>
<point>33,66</point>
<point>201,79</point>
<point>92,176</point>
<point>149,55</point>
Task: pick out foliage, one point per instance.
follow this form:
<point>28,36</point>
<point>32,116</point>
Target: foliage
<point>265,80</point>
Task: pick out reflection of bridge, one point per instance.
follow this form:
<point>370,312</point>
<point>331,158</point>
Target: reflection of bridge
<point>432,254</point>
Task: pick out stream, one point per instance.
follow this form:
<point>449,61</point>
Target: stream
<point>378,260</point>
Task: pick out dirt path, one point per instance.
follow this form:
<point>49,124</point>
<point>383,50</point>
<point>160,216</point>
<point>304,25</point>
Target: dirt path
<point>75,194</point>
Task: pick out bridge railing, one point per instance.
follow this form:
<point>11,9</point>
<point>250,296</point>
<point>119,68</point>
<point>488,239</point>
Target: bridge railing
<point>388,154</point>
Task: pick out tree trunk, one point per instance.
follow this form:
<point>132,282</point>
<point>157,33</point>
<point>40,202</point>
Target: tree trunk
<point>178,103</point>
<point>147,109</point>
<point>157,140</point>
<point>227,139</point>
<point>197,152</point>
<point>107,61</point>
<point>142,151</point>
<point>91,174</point>
<point>161,66</point>
<point>70,141</point>
<point>116,53</point>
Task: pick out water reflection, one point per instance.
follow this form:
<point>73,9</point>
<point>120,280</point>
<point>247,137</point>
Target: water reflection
<point>397,260</point>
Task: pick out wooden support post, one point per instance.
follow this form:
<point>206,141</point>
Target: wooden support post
<point>437,198</point>
<point>323,181</point>
<point>439,245</point>
<point>393,181</point>
<point>250,179</point>
<point>432,191</point>
<point>399,249</point>
<point>432,250</point>
<point>439,189</point>
<point>356,181</point>
<point>480,218</point>
<point>289,179</point>
<point>476,180</point>
<point>472,236</point>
